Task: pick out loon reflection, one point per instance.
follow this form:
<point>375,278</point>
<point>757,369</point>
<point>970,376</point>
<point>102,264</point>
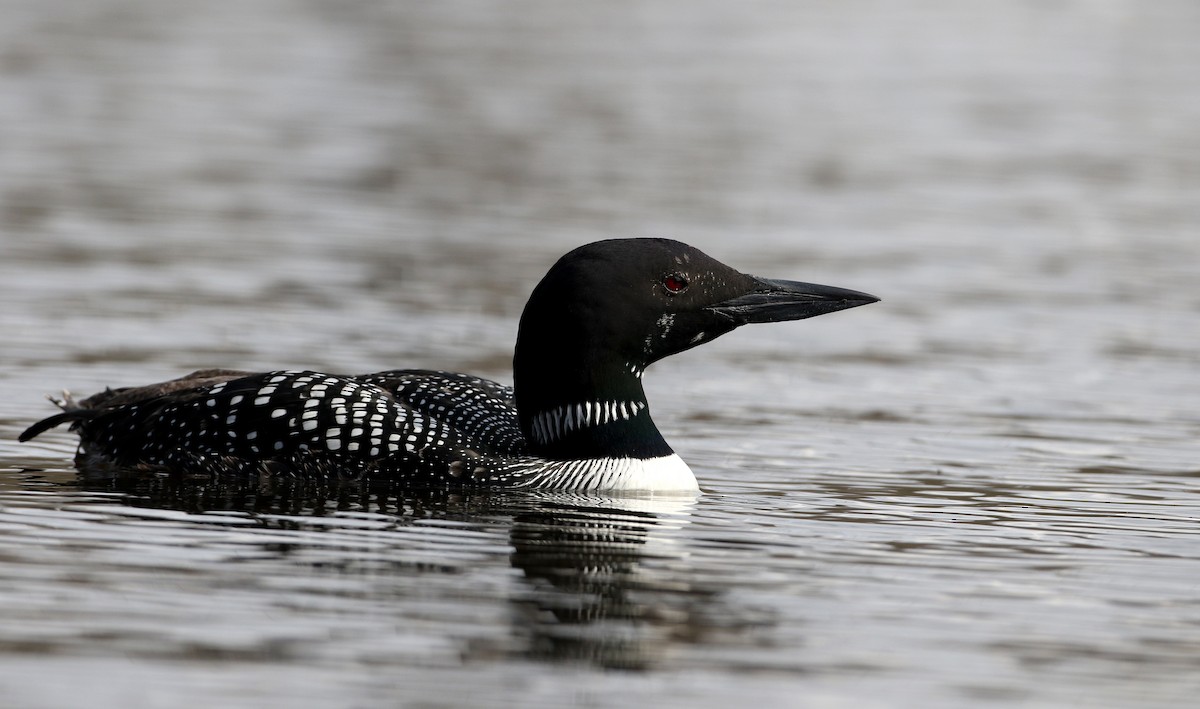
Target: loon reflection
<point>603,580</point>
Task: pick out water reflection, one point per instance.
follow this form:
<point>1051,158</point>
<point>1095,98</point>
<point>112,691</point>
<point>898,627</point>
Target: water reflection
<point>602,580</point>
<point>599,584</point>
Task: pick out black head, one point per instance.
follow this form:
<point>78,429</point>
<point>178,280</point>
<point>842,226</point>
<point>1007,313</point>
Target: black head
<point>608,309</point>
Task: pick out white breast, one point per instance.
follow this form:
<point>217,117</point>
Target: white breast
<point>664,474</point>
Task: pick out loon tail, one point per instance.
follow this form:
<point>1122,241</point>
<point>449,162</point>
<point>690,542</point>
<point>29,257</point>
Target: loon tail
<point>72,412</point>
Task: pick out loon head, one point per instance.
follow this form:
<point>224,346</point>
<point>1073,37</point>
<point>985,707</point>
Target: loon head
<point>606,311</point>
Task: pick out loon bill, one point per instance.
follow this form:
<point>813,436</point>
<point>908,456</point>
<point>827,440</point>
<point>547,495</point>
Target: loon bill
<point>575,418</point>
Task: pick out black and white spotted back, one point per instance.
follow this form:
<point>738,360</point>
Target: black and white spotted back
<point>403,422</point>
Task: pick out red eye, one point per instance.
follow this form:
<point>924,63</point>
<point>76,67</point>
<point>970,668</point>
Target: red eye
<point>675,283</point>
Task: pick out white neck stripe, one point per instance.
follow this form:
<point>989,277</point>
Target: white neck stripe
<point>554,424</point>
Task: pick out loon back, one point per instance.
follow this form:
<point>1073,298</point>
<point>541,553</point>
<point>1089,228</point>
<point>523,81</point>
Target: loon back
<point>576,418</point>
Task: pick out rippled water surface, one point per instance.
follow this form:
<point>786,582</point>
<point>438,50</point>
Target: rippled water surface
<point>982,491</point>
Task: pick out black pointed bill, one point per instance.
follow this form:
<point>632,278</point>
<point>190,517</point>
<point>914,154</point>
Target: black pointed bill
<point>778,301</point>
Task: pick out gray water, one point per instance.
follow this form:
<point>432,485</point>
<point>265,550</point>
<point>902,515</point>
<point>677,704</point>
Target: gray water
<point>982,491</point>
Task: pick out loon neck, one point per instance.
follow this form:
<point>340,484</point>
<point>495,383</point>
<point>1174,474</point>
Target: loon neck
<point>586,409</point>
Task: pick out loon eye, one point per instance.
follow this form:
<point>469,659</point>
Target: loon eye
<point>675,283</point>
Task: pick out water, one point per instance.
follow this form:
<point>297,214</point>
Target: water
<point>982,491</point>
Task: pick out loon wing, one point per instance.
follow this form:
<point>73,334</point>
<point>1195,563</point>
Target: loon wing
<point>217,420</point>
<point>480,410</point>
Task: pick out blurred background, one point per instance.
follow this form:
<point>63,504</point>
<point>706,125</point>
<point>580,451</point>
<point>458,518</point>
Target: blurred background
<point>372,184</point>
<point>302,183</point>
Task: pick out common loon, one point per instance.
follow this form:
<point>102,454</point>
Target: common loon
<point>575,418</point>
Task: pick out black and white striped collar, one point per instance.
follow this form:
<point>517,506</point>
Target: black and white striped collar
<point>552,425</point>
